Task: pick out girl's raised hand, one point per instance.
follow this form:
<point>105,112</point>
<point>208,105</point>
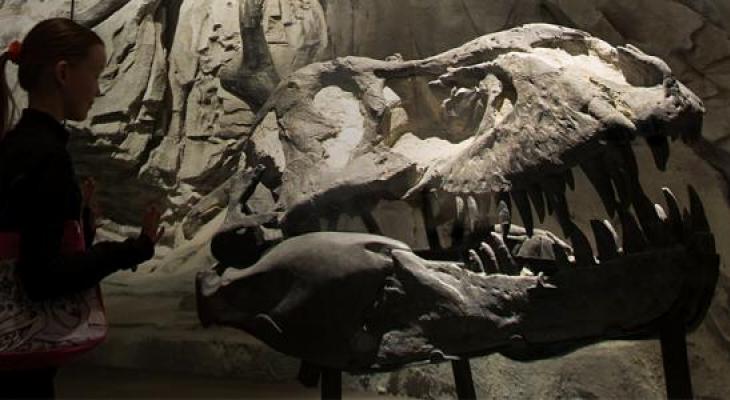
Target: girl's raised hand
<point>151,224</point>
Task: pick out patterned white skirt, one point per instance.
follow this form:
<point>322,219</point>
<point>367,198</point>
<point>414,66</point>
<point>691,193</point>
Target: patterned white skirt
<point>39,334</point>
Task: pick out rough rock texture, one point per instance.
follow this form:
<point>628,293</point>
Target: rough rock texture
<point>177,132</point>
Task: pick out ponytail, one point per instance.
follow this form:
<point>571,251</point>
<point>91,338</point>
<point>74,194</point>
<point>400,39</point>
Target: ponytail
<point>7,102</point>
<point>6,98</point>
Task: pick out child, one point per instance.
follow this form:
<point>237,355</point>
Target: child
<point>59,63</point>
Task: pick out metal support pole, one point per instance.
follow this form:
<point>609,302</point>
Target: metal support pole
<point>331,384</point>
<point>309,374</point>
<point>676,366</point>
<point>463,379</point>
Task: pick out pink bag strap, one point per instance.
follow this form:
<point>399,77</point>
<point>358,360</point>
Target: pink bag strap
<point>72,241</point>
<point>9,245</point>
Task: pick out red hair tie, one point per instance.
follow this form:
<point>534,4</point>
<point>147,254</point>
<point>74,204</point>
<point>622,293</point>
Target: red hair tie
<point>14,51</point>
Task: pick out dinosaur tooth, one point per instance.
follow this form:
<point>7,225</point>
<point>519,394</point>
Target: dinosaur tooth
<point>661,213</point>
<point>489,258</point>
<point>686,224</point>
<point>485,203</point>
<point>432,201</point>
<point>538,201</point>
<point>555,194</point>
<point>649,220</point>
<point>623,189</point>
<point>570,179</point>
<point>697,211</point>
<point>614,233</point>
<point>674,215</point>
<point>621,185</point>
<point>659,146</point>
<point>475,262</point>
<point>581,247</point>
<point>633,239</point>
<point>561,257</point>
<point>457,231</point>
<point>472,213</point>
<point>618,170</point>
<point>601,182</point>
<point>606,240</point>
<point>504,212</point>
<point>430,210</point>
<point>504,257</point>
<point>522,202</point>
<point>626,153</point>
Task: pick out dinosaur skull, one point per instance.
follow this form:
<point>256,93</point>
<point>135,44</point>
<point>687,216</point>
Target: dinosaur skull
<point>452,143</point>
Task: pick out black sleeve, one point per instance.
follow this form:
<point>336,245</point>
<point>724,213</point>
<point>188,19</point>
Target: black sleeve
<point>44,272</point>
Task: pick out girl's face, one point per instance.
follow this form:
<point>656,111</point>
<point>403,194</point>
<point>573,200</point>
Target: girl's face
<point>82,84</point>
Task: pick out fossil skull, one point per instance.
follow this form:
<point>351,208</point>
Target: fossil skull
<point>463,142</point>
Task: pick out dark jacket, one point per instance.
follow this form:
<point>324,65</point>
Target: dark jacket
<point>39,191</point>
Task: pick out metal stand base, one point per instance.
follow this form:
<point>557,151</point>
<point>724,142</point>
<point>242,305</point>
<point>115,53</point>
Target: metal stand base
<point>674,356</point>
<point>331,379</point>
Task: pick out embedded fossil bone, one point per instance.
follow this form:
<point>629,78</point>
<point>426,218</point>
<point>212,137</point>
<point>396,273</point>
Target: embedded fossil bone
<point>99,11</point>
<point>252,75</point>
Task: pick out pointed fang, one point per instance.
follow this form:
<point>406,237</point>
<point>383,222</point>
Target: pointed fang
<point>475,262</point>
<point>606,240</point>
<point>489,259</point>
<point>697,211</point>
<point>633,239</point>
<point>522,202</point>
<point>457,231</point>
<point>659,146</point>
<point>674,214</point>
<point>538,201</point>
<point>581,247</point>
<point>562,261</point>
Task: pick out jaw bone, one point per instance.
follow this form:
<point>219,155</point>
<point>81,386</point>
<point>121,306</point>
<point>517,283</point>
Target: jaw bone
<point>358,301</point>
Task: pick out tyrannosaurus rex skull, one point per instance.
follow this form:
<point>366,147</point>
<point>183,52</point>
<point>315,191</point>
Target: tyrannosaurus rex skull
<point>458,139</point>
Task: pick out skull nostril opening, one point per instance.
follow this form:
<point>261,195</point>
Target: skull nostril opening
<point>240,248</point>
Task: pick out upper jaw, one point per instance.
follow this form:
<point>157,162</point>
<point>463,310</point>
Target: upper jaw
<point>523,119</point>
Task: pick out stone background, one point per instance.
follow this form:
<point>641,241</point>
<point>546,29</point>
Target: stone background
<point>166,130</point>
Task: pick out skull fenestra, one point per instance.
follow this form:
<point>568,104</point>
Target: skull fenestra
<point>431,160</point>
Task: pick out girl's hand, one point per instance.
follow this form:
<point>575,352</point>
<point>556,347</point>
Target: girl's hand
<point>88,189</point>
<point>151,224</point>
<point>88,200</point>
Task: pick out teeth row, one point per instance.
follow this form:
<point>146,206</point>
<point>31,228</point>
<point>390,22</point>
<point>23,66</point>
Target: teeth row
<point>613,173</point>
<point>655,228</point>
